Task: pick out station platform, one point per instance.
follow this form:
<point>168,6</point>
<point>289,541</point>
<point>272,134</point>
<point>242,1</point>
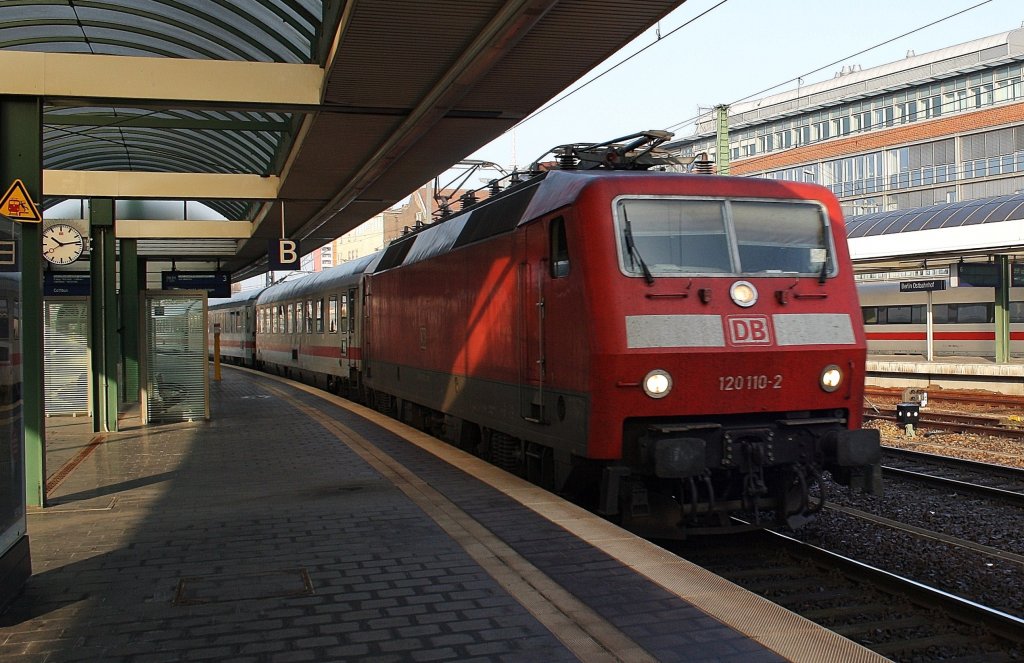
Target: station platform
<point>947,372</point>
<point>297,526</point>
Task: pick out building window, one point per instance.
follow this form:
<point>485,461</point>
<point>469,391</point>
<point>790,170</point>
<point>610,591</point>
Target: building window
<point>955,101</point>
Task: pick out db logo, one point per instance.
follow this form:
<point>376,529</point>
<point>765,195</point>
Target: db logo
<point>749,330</point>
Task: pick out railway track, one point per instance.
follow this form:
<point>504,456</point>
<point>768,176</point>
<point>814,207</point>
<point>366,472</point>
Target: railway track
<point>953,399</point>
<point>996,482</point>
<point>954,422</point>
<point>893,616</point>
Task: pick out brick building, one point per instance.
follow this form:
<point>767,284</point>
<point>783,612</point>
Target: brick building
<point>940,127</point>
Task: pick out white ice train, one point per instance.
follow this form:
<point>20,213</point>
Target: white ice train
<point>963,320</point>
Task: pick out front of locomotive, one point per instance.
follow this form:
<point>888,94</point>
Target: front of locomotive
<point>728,354</point>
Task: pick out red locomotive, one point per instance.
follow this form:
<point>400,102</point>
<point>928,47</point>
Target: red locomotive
<point>670,348</point>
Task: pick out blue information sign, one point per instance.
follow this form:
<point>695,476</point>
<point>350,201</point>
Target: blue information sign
<point>919,286</point>
<point>977,274</point>
<point>1017,274</point>
<point>67,284</point>
<point>218,284</point>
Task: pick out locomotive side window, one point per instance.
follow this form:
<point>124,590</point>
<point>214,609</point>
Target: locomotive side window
<point>559,253</point>
<point>332,314</point>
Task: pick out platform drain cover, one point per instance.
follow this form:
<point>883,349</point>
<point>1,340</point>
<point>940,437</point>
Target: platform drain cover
<point>243,586</point>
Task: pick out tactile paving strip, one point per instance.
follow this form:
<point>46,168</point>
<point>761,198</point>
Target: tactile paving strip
<point>243,586</point>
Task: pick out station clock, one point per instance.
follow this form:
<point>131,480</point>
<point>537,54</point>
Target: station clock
<point>62,244</point>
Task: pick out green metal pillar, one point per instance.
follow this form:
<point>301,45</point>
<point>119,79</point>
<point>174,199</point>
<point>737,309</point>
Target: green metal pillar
<point>722,138</point>
<point>21,157</point>
<point>130,319</point>
<point>106,347</point>
<point>1003,311</point>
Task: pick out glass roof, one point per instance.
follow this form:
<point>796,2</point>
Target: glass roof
<point>167,140</point>
<point>946,215</point>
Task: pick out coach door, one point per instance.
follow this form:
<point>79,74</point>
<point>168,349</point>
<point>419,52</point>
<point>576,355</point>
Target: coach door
<point>531,280</point>
<point>350,342</point>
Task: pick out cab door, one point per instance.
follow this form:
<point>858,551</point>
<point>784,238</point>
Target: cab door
<point>532,277</point>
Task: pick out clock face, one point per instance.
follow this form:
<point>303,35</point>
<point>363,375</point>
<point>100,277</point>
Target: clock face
<point>62,244</point>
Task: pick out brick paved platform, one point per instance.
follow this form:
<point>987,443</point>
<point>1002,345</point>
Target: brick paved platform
<point>294,528</point>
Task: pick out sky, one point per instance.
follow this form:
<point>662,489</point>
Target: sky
<point>739,49</point>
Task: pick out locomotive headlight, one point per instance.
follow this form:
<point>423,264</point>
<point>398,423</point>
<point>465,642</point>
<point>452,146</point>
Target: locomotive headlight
<point>657,384</point>
<point>831,378</point>
<point>743,293</point>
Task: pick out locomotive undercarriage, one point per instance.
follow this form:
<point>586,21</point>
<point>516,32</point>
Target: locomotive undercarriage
<point>680,478</point>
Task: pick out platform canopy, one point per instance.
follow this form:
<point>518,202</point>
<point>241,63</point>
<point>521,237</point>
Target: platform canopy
<point>337,108</point>
<point>937,234</point>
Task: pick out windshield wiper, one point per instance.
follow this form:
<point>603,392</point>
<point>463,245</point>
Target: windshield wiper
<point>634,255</point>
<point>824,264</point>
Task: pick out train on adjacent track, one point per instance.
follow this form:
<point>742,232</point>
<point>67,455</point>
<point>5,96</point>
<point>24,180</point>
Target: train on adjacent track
<point>963,320</point>
<point>667,348</point>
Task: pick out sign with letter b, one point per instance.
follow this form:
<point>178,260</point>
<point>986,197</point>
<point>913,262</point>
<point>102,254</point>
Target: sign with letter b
<point>283,254</point>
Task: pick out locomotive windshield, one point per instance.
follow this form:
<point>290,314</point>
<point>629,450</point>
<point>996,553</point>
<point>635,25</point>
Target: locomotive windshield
<point>685,236</point>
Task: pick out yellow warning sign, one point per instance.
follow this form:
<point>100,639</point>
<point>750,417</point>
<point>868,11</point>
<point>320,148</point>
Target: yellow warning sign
<point>18,206</point>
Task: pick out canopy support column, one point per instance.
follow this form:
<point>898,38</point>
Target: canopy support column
<point>105,345</point>
<point>1003,311</point>
<point>130,319</point>
<point>21,157</point>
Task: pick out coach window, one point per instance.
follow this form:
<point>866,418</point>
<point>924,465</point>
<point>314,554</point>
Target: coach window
<point>309,317</point>
<point>900,315</point>
<point>344,312</point>
<point>1016,312</point>
<point>332,314</point>
<point>870,314</point>
<point>559,258</point>
<point>975,313</point>
<point>319,315</point>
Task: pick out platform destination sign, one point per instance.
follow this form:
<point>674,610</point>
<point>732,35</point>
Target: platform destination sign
<point>218,284</point>
<point>1017,274</point>
<point>67,284</point>
<point>977,274</point>
<point>923,286</point>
